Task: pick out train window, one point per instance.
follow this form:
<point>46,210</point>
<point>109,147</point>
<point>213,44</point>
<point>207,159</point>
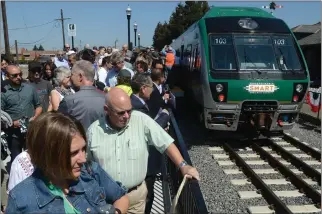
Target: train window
<point>178,53</point>
<point>286,54</point>
<point>187,55</point>
<point>222,53</point>
<point>255,52</point>
<point>196,58</point>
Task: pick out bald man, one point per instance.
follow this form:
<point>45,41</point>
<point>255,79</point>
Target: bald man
<point>119,142</point>
<point>19,100</point>
<point>60,61</point>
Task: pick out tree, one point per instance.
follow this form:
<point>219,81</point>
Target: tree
<point>161,35</point>
<point>176,22</point>
<point>180,20</point>
<point>35,48</point>
<point>41,48</point>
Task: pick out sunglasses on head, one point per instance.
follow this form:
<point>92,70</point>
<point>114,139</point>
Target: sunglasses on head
<point>16,75</point>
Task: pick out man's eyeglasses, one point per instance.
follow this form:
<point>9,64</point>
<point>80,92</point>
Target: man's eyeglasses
<point>121,113</point>
<point>16,75</point>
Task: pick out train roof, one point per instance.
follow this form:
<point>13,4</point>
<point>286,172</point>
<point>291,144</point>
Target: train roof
<point>229,12</point>
<point>237,11</point>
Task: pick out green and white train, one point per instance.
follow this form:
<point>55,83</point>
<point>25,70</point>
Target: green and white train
<point>242,66</point>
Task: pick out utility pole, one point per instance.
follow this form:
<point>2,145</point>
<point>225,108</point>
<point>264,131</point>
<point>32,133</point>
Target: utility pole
<point>115,43</point>
<point>80,45</point>
<point>5,29</point>
<point>72,42</point>
<point>17,55</point>
<point>62,25</point>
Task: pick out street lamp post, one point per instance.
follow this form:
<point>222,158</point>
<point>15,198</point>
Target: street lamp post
<point>135,29</point>
<point>128,14</point>
<point>139,37</point>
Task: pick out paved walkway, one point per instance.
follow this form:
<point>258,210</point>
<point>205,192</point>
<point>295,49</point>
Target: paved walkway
<point>306,109</point>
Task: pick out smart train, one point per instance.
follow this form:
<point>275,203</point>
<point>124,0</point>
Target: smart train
<point>242,66</point>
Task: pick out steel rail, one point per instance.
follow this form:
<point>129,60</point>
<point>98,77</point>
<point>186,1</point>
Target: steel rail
<point>292,177</point>
<point>301,165</point>
<point>307,149</point>
<point>274,201</point>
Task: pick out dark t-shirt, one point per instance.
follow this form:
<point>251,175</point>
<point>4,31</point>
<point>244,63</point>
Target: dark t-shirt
<point>43,89</point>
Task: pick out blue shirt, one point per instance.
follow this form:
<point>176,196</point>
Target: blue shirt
<point>111,79</point>
<point>87,194</point>
<point>20,102</point>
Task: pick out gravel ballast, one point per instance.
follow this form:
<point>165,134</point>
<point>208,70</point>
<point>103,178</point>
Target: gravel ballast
<point>220,195</point>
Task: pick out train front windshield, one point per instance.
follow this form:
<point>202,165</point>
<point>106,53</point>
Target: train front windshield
<point>253,52</point>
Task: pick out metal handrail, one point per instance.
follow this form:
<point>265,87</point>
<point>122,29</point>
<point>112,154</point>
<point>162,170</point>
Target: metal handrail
<point>191,199</point>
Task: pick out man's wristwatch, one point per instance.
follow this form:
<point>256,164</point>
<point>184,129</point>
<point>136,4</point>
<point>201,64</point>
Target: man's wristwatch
<point>183,163</point>
<point>118,211</point>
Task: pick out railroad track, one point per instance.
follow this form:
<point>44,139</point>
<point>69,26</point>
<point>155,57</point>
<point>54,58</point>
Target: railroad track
<point>296,164</point>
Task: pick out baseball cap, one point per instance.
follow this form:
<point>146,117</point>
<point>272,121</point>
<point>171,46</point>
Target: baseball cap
<point>124,73</point>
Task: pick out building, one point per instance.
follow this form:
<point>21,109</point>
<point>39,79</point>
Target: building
<point>26,55</point>
<point>309,38</point>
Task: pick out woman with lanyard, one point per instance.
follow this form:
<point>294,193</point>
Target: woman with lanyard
<point>63,182</point>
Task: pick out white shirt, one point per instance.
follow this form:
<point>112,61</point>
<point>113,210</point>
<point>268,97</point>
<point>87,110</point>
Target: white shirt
<point>62,96</point>
<point>159,87</point>
<point>21,169</point>
<point>59,63</point>
<point>70,52</point>
<point>102,74</point>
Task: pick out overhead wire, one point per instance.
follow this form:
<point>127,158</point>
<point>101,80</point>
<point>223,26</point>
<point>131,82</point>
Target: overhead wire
<point>27,27</point>
<point>37,41</point>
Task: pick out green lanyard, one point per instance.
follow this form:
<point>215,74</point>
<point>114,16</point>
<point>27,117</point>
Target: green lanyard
<point>69,208</point>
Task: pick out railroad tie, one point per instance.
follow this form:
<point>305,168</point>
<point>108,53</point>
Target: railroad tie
<point>294,208</point>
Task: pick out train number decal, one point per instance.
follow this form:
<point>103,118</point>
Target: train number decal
<point>261,88</point>
<point>279,42</point>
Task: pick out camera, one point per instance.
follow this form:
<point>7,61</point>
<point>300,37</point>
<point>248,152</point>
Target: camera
<point>24,124</point>
<point>106,209</point>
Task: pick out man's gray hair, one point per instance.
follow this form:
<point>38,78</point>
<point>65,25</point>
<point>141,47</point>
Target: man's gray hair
<point>61,73</point>
<point>117,57</point>
<point>139,80</point>
<point>86,68</point>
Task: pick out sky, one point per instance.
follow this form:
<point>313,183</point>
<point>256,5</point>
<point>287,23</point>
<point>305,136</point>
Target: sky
<point>102,23</point>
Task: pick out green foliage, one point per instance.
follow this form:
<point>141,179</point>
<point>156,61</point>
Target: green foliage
<point>35,48</point>
<point>180,20</point>
<point>41,48</point>
<point>161,35</point>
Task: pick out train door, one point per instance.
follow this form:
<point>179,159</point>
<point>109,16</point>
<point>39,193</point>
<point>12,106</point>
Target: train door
<point>195,71</point>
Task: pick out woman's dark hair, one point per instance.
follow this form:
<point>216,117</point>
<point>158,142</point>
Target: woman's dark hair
<point>156,61</point>
<point>143,65</point>
<point>52,68</point>
<point>106,59</point>
<point>87,54</point>
<point>48,142</point>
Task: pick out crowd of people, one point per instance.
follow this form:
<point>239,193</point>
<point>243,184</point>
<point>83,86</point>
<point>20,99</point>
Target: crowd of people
<point>97,123</point>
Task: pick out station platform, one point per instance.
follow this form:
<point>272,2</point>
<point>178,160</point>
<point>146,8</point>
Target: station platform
<point>158,203</point>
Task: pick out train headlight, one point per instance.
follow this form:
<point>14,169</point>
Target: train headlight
<point>219,88</point>
<point>299,88</point>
